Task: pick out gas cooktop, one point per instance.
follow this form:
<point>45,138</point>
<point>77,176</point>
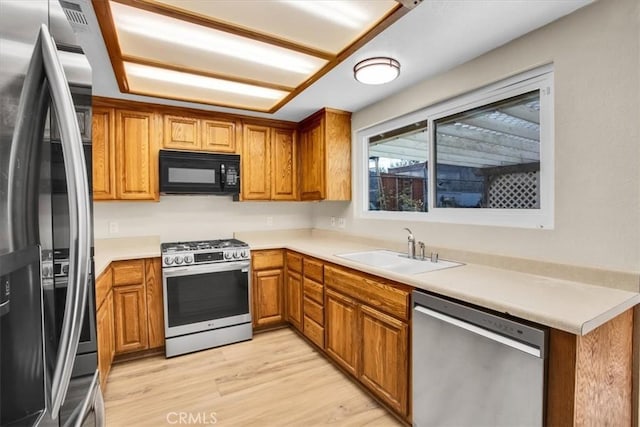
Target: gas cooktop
<point>203,252</point>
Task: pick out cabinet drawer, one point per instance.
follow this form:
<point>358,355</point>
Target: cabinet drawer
<point>128,272</point>
<point>313,269</point>
<point>374,292</point>
<point>267,259</point>
<point>103,286</point>
<point>314,311</point>
<point>313,290</point>
<point>294,262</point>
<point>314,332</point>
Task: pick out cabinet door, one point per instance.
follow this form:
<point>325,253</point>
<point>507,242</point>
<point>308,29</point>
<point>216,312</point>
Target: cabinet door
<point>130,321</point>
<point>155,306</point>
<point>219,136</point>
<point>104,326</point>
<point>385,349</point>
<point>284,171</point>
<point>341,329</point>
<point>103,154</point>
<point>136,155</point>
<point>181,133</point>
<point>312,177</point>
<point>256,163</point>
<point>294,299</point>
<point>268,298</point>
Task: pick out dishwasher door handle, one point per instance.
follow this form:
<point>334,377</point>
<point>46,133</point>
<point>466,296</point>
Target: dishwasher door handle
<point>534,351</point>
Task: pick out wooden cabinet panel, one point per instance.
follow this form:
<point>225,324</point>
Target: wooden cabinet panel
<point>267,259</point>
<point>155,307</point>
<point>325,156</point>
<point>294,262</point>
<point>105,333</point>
<point>314,269</point>
<point>341,329</point>
<point>312,162</point>
<point>294,299</point>
<point>284,159</point>
<point>128,272</point>
<point>385,368</point>
<point>219,136</point>
<point>313,290</point>
<point>314,332</point>
<point>130,310</point>
<point>314,311</point>
<point>256,163</point>
<point>103,286</point>
<point>137,155</point>
<point>181,133</point>
<point>103,154</point>
<point>267,298</point>
<point>375,293</point>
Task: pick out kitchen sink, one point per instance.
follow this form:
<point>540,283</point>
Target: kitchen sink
<point>397,262</point>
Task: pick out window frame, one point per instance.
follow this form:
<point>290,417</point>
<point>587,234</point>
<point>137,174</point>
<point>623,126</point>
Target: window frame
<point>540,79</point>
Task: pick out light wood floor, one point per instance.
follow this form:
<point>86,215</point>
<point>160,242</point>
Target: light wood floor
<point>277,379</point>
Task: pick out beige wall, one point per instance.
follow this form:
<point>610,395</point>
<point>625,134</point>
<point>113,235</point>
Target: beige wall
<point>595,52</point>
<point>177,218</point>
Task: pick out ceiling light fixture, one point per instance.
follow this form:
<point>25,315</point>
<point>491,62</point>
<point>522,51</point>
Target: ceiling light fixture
<point>376,71</point>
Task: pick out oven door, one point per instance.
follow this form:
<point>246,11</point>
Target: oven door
<point>204,297</point>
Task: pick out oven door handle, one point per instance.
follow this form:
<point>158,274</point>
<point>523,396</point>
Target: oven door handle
<point>205,268</point>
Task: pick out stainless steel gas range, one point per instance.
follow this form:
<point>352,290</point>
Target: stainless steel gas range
<point>207,296</point>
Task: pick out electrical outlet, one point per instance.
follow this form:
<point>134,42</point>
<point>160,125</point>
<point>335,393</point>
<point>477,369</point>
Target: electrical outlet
<point>269,221</point>
<point>342,223</point>
<point>333,221</point>
<point>113,227</point>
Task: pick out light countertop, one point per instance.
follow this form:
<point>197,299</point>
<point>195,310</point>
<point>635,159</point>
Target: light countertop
<point>570,306</point>
<point>120,249</point>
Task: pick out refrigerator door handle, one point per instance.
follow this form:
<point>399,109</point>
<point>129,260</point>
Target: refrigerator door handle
<point>93,402</point>
<point>79,220</point>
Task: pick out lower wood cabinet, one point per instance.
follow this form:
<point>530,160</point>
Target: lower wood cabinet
<point>130,310</point>
<point>385,357</point>
<point>133,307</point>
<point>368,341</point>
<point>104,325</point>
<point>342,331</point>
<point>267,288</point>
<point>293,293</point>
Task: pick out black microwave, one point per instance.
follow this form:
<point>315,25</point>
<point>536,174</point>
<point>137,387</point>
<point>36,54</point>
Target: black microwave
<point>186,172</point>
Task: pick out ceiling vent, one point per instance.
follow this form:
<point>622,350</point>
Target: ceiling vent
<point>75,16</point>
<point>410,4</point>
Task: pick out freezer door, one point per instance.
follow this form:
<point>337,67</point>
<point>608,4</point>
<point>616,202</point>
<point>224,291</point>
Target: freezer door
<point>22,391</point>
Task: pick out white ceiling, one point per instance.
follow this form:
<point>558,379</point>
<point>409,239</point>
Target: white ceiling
<point>434,37</point>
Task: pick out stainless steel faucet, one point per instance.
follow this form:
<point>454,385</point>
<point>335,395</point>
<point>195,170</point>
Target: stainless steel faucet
<point>411,245</point>
<point>421,246</point>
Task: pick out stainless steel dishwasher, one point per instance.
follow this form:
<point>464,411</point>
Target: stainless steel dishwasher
<point>472,368</point>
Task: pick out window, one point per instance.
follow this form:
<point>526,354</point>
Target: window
<point>492,157</point>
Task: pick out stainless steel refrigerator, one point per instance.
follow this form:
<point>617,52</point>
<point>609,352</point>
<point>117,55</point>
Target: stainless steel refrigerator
<point>48,352</point>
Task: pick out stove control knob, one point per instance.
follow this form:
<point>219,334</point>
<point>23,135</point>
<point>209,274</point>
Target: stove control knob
<point>168,260</point>
<point>245,254</point>
<point>227,255</point>
<point>188,259</point>
<point>178,260</point>
<point>236,254</point>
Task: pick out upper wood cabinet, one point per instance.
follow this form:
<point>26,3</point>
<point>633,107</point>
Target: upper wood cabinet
<point>136,155</point>
<point>104,153</point>
<point>181,133</point>
<point>284,165</point>
<point>269,163</point>
<point>125,154</point>
<point>201,134</point>
<point>256,163</point>
<point>325,156</point>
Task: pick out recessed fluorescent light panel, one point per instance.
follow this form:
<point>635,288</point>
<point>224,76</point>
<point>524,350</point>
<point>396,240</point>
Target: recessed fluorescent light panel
<point>253,55</point>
